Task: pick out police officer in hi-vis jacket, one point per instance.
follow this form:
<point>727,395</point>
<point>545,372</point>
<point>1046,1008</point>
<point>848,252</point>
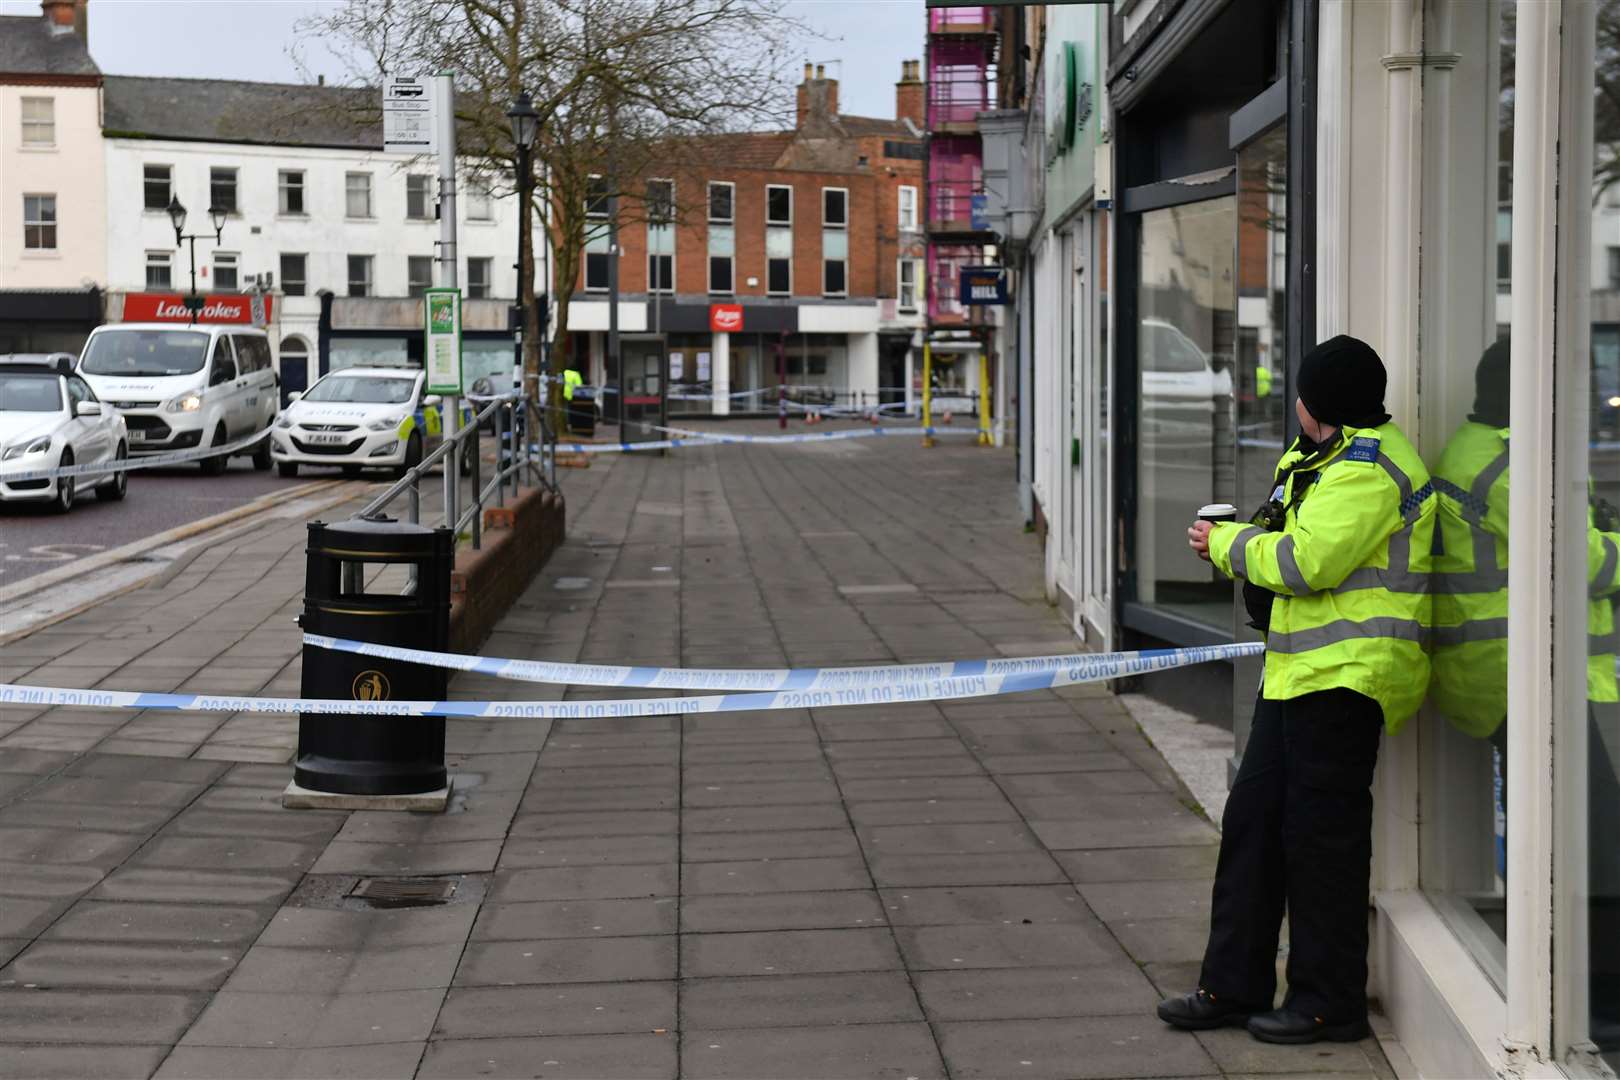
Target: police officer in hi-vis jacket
<point>1336,572</point>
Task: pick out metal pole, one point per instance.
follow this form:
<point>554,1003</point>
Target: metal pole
<point>521,305</point>
<point>928,393</point>
<point>444,124</point>
<point>984,398</point>
<point>781,381</point>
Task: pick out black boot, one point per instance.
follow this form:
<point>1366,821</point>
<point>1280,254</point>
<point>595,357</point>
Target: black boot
<point>1200,1011</point>
<point>1287,1026</point>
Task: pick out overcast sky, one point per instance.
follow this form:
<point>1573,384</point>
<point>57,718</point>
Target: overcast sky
<point>250,39</point>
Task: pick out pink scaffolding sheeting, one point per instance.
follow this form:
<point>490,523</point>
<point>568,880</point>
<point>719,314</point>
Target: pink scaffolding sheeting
<point>945,262</point>
<point>958,81</point>
<point>955,175</point>
<point>944,20</point>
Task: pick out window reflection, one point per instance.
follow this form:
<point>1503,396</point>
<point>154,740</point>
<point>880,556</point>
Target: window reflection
<point>1597,218</point>
<point>1185,339</point>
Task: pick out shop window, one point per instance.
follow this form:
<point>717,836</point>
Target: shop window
<point>222,189</point>
<point>290,191</point>
<point>226,267</point>
<point>419,198</point>
<point>1185,341</point>
<point>159,270</point>
<point>294,274</point>
<point>156,186</point>
<point>418,274</point>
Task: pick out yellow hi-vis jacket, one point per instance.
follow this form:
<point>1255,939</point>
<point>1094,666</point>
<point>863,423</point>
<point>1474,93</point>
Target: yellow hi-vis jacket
<point>571,381</point>
<point>1469,654</point>
<point>1602,585</point>
<point>1350,569</point>
<point>1470,591</point>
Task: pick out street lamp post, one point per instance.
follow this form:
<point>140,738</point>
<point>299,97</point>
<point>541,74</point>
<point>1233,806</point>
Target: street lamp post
<point>525,127</point>
<point>177,218</point>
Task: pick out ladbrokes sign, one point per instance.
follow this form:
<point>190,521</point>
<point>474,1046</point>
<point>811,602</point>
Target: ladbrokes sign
<point>240,308</point>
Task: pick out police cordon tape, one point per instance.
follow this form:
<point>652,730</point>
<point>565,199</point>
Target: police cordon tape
<point>684,437</point>
<point>1089,669</point>
<point>739,679</point>
<point>150,461</point>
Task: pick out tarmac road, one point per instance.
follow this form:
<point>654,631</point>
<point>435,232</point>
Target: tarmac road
<point>33,540</point>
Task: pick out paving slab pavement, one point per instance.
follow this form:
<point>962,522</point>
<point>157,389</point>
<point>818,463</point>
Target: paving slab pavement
<point>968,889</point>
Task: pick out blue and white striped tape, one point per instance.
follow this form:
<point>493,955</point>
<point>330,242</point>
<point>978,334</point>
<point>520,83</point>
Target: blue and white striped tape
<point>1087,669</point>
<point>743,679</point>
<point>151,461</point>
<point>686,437</point>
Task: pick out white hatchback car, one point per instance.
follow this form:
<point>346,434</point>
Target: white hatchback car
<point>49,417</point>
<point>360,418</point>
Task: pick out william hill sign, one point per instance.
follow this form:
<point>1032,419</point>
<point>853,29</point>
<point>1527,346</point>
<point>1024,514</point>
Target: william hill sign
<point>984,285</point>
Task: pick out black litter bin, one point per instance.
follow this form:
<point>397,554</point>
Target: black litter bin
<point>355,754</point>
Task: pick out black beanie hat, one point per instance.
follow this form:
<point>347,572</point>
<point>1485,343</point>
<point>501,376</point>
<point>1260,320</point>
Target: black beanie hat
<point>1342,381</point>
<point>1491,394</point>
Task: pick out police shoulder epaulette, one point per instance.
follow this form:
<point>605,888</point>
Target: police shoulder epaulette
<point>1363,448</point>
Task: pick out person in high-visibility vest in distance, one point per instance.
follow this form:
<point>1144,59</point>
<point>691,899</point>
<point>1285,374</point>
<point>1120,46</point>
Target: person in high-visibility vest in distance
<point>1336,571</point>
<point>572,380</point>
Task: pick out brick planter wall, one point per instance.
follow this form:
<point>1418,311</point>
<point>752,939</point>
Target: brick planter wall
<point>518,539</point>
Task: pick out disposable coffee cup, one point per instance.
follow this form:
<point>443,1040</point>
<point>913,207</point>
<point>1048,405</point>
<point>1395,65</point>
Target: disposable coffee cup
<point>1217,512</point>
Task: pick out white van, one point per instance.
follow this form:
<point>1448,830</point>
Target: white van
<point>180,387</point>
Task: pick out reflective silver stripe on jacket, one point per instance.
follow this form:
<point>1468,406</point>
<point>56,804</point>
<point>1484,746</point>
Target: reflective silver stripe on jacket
<point>1288,567</point>
<point>1320,637</point>
<point>1239,551</point>
<point>1602,644</point>
<point>1604,582</point>
<point>1472,630</point>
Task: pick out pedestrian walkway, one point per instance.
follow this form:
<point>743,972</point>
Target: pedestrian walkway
<point>998,888</point>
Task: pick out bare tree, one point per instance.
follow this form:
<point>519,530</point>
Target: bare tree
<point>618,85</point>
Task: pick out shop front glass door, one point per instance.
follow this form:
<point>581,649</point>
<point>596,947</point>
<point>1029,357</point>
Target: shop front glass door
<point>1185,340</point>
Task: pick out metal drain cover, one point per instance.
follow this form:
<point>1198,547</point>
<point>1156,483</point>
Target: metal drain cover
<point>399,892</point>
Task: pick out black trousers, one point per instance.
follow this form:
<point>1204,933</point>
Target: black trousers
<point>1297,836</point>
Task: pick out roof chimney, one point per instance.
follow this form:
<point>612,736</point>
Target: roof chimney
<point>818,95</point>
<point>908,93</point>
<point>66,16</point>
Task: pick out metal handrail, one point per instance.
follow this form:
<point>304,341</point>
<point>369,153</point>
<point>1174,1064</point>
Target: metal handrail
<point>501,407</point>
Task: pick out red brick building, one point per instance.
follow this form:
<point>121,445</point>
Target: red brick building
<point>789,257</point>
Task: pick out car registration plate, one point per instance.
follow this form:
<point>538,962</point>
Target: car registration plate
<point>137,435</point>
<point>328,438</point>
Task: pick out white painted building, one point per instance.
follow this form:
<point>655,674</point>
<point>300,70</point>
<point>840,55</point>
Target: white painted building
<point>52,187</point>
<point>341,235</point>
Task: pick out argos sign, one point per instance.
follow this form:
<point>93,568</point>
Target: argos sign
<point>725,318</point>
<point>242,308</point>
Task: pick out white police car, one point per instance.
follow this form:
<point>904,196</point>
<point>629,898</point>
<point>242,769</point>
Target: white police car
<point>49,418</point>
<point>359,418</point>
